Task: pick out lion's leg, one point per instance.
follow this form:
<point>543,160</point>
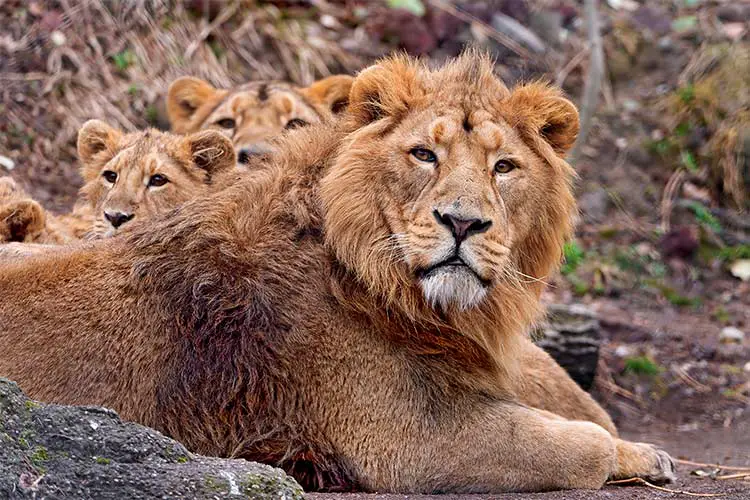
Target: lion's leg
<point>500,447</point>
<point>546,385</point>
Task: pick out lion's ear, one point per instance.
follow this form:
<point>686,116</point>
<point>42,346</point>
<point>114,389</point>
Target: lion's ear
<point>21,219</point>
<point>541,109</point>
<point>331,92</point>
<point>387,89</point>
<point>185,96</point>
<point>211,151</point>
<point>97,142</point>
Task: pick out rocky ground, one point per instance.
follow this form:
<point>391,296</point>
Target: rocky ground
<point>50,451</point>
<point>663,246</point>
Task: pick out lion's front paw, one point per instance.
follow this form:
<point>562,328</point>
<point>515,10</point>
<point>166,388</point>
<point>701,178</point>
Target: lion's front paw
<point>645,461</point>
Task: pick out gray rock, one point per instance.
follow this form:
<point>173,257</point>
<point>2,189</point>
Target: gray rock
<point>571,334</point>
<point>53,451</point>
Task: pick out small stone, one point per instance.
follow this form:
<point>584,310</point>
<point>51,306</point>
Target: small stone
<point>747,367</point>
<point>328,21</point>
<point>58,38</point>
<point>631,105</point>
<point>623,351</point>
<point>7,163</point>
<point>730,334</point>
<point>621,143</point>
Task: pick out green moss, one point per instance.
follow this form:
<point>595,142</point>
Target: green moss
<point>31,405</point>
<point>574,256</point>
<point>103,461</point>
<point>182,460</point>
<point>642,365</point>
<point>735,252</point>
<point>39,455</point>
<point>124,59</point>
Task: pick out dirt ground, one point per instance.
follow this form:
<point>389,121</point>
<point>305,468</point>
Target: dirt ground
<point>663,174</point>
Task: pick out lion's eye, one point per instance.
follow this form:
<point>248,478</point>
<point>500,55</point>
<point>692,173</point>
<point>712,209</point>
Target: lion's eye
<point>423,154</point>
<point>157,180</point>
<point>226,123</point>
<point>295,123</point>
<point>110,176</point>
<point>504,166</point>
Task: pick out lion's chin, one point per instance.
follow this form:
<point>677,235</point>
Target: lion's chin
<point>453,286</point>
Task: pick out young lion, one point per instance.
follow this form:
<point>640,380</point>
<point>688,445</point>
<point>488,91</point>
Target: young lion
<point>255,112</point>
<point>126,177</point>
<point>353,310</point>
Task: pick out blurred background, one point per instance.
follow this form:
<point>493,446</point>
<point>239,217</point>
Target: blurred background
<point>661,259</point>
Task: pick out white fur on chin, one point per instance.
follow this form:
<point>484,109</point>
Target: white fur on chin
<point>453,286</point>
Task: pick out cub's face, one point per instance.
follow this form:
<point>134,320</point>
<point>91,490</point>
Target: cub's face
<point>463,177</point>
<point>132,177</point>
<point>252,114</point>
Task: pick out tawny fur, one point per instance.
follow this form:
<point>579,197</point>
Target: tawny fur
<point>254,113</point>
<point>281,320</point>
<point>24,220</point>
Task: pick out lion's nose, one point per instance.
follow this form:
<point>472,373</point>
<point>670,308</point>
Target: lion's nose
<point>117,219</point>
<point>462,228</point>
<point>244,155</point>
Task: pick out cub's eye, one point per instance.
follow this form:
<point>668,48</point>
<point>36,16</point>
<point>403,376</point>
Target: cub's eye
<point>424,155</point>
<point>295,123</point>
<point>110,176</point>
<point>504,166</point>
<point>226,123</point>
<point>157,180</point>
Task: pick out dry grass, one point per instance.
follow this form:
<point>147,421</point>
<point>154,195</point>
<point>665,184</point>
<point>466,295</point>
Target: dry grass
<point>64,62</point>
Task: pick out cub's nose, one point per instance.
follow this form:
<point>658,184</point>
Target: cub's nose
<point>461,228</point>
<point>117,219</point>
<point>244,155</point>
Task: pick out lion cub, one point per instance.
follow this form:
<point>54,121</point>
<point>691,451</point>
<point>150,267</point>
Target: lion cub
<point>253,113</point>
<point>127,177</point>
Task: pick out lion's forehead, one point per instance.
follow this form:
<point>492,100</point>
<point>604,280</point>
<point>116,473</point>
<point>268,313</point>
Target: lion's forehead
<point>489,130</point>
<point>257,97</point>
<point>135,162</point>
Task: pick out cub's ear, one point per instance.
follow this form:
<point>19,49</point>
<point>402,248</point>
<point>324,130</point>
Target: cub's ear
<point>540,109</point>
<point>331,92</point>
<point>211,151</point>
<point>187,95</point>
<point>387,89</point>
<point>97,143</point>
<point>20,220</point>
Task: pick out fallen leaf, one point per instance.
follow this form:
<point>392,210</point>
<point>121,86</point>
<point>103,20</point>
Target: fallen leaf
<point>416,7</point>
<point>740,269</point>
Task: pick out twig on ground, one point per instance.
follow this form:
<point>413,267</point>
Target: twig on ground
<point>715,466</point>
<point>668,196</point>
<point>486,29</point>
<point>741,475</point>
<point>225,15</point>
<point>562,75</point>
<point>592,87</point>
<point>638,480</point>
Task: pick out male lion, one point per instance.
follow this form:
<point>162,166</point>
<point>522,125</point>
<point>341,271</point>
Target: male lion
<point>354,309</point>
<point>255,112</point>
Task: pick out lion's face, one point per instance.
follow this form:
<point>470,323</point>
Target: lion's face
<point>452,181</point>
<point>253,113</point>
<point>136,176</point>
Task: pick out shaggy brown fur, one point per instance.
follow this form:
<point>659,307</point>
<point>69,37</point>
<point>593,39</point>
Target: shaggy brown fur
<point>321,315</point>
<point>254,113</point>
